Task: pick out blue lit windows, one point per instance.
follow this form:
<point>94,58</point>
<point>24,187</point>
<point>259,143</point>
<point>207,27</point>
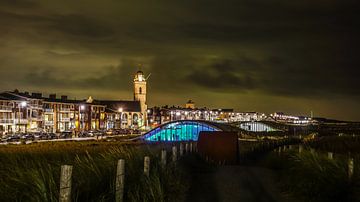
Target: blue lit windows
<point>179,131</point>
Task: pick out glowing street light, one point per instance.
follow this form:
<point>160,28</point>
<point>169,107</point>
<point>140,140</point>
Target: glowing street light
<point>82,108</point>
<point>23,104</point>
<point>120,110</point>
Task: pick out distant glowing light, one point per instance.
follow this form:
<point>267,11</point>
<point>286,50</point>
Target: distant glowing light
<point>23,104</point>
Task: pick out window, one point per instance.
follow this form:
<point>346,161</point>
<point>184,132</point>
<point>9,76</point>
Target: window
<point>135,119</point>
<point>140,90</point>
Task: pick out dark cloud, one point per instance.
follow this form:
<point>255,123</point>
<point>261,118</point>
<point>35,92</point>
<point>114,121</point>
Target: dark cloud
<point>18,3</point>
<point>81,26</point>
<point>302,50</point>
<point>222,75</point>
<point>112,78</point>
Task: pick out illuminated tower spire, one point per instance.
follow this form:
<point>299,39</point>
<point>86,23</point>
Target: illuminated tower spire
<point>140,92</point>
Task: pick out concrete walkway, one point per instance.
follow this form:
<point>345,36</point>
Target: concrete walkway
<point>234,183</point>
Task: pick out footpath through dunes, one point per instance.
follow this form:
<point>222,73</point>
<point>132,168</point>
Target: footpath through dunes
<point>229,183</point>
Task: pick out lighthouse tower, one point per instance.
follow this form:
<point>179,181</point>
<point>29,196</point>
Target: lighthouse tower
<point>140,94</point>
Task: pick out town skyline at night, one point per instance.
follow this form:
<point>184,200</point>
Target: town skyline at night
<point>179,101</point>
<point>294,57</point>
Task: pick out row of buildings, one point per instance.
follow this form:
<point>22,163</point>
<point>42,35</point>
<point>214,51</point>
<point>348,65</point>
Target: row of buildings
<point>160,115</point>
<point>32,112</point>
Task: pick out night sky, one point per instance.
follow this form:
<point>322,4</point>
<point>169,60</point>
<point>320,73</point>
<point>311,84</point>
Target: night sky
<point>253,55</point>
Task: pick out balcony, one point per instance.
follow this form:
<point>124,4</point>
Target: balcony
<point>49,123</point>
<point>36,106</point>
<point>4,108</point>
<point>65,119</point>
<point>65,110</point>
<point>21,121</point>
<point>6,121</point>
<point>36,118</point>
<point>48,110</point>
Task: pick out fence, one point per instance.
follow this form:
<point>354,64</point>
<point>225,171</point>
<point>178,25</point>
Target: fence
<point>66,171</point>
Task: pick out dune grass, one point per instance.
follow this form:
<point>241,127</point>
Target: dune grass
<point>311,176</point>
<point>32,172</point>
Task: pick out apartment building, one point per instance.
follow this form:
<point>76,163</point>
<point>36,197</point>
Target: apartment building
<point>24,112</point>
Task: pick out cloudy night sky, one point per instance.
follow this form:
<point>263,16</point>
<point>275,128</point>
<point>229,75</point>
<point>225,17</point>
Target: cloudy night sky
<point>250,55</point>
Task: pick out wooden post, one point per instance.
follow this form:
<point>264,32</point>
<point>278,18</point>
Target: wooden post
<point>147,166</point>
<point>191,147</point>
<point>120,181</point>
<point>284,148</point>
<point>351,168</point>
<point>163,158</point>
<point>290,146</point>
<point>174,153</point>
<point>330,155</point>
<point>181,149</point>
<point>65,183</point>
<point>186,148</point>
<point>279,150</point>
<point>300,149</point>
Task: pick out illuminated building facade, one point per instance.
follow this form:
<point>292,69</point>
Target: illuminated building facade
<point>161,115</point>
<point>123,114</point>
<point>59,114</point>
<point>290,119</point>
<point>25,112</point>
<point>20,112</point>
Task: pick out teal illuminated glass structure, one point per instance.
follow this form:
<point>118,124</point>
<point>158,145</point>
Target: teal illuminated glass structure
<point>256,127</point>
<point>179,131</point>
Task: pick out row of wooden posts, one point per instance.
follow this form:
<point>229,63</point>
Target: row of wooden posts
<point>66,171</point>
<point>330,156</point>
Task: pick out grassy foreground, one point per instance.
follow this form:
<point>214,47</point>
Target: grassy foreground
<point>32,172</point>
<point>312,176</point>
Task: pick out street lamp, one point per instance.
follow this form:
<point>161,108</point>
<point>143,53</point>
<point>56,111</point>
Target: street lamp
<point>21,105</point>
<point>82,108</point>
<point>120,111</point>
